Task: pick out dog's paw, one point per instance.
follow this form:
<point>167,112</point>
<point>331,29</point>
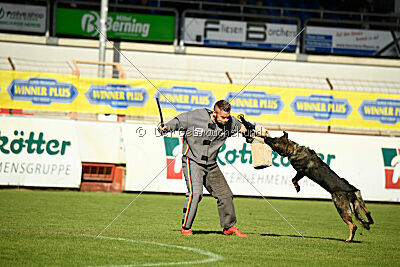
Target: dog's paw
<point>297,187</point>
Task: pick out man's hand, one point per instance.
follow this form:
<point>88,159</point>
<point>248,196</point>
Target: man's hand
<point>261,131</point>
<point>247,128</point>
<point>162,129</point>
<point>248,134</point>
<point>242,129</point>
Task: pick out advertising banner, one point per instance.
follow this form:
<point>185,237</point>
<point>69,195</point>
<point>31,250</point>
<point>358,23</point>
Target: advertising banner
<point>371,164</point>
<point>239,33</point>
<point>351,41</point>
<point>26,18</point>
<point>262,104</point>
<point>39,152</point>
<point>119,25</point>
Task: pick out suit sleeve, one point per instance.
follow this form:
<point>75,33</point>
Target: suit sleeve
<point>236,125</point>
<point>178,123</point>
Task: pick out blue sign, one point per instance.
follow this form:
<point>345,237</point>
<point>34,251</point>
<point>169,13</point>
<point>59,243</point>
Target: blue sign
<point>255,103</point>
<point>387,111</point>
<point>184,98</point>
<point>345,41</point>
<point>120,96</point>
<point>42,91</point>
<point>319,42</point>
<point>321,107</point>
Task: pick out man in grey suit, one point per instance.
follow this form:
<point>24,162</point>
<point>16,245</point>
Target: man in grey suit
<point>205,133</point>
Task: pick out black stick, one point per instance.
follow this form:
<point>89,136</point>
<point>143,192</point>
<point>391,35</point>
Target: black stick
<point>249,134</point>
<point>159,109</point>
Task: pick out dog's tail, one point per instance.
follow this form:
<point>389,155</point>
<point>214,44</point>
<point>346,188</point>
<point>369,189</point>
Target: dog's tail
<point>358,203</point>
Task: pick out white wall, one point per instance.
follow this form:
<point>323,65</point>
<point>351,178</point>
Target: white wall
<point>358,159</point>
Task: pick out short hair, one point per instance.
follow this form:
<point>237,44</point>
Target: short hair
<point>223,105</point>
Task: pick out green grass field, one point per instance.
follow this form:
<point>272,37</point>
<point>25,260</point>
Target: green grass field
<point>58,228</point>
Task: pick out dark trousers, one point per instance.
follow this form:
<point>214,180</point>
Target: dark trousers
<point>211,177</point>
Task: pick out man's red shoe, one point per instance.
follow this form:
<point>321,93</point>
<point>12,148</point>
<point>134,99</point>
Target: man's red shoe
<point>234,231</point>
<point>186,231</point>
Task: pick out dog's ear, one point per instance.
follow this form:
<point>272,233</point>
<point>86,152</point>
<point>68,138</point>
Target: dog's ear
<point>285,135</point>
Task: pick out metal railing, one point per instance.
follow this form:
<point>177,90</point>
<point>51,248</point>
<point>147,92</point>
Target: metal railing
<point>392,19</point>
<point>117,66</point>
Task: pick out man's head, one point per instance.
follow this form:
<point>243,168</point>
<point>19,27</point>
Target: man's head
<point>221,112</point>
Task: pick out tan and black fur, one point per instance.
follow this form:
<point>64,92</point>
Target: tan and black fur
<point>306,162</point>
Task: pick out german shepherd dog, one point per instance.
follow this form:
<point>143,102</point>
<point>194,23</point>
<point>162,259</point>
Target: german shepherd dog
<point>306,162</point>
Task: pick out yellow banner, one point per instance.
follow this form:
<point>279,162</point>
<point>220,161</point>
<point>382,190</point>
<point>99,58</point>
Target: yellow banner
<point>281,105</point>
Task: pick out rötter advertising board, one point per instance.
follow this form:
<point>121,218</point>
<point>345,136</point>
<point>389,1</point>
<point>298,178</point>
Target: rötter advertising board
<point>39,152</point>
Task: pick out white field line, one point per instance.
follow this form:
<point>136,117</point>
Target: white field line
<point>211,256</point>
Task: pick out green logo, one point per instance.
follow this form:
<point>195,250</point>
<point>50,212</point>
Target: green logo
<point>391,161</point>
<point>89,23</point>
<point>243,155</point>
<point>174,168</point>
<point>170,144</point>
<point>119,25</point>
<point>32,144</point>
<point>230,156</point>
